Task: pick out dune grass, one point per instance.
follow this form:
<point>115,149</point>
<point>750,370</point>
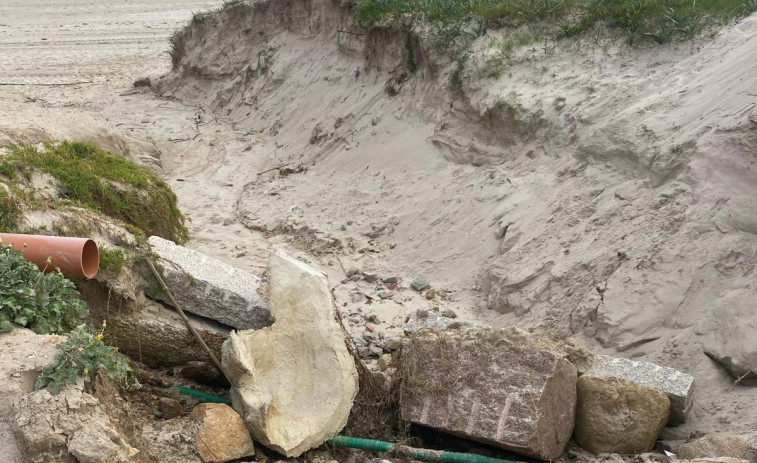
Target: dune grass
<point>104,182</point>
<point>638,20</point>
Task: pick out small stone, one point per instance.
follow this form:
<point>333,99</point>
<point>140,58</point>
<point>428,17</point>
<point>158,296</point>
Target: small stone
<point>356,296</point>
<point>384,294</point>
<point>385,361</point>
<point>363,352</point>
<point>352,271</point>
<point>390,279</point>
<point>370,327</point>
<point>169,408</point>
<point>392,344</point>
<point>143,82</point>
<point>222,435</point>
<point>419,284</point>
<point>376,350</point>
<point>370,277</point>
<point>430,294</point>
<point>449,313</point>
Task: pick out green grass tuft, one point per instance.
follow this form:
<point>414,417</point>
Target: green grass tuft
<point>106,183</point>
<point>10,212</point>
<point>112,260</point>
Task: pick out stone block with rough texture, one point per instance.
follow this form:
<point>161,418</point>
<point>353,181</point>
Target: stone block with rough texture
<point>678,386</point>
<point>210,288</point>
<point>293,382</point>
<point>491,386</point>
<point>618,416</point>
<point>715,445</point>
<point>222,435</point>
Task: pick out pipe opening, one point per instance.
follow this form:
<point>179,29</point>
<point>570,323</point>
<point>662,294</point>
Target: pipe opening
<point>90,259</point>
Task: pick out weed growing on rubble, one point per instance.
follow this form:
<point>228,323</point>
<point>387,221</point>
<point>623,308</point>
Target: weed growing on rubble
<point>656,20</point>
<point>45,303</point>
<point>82,353</point>
<point>104,182</point>
<point>112,260</point>
<point>10,211</point>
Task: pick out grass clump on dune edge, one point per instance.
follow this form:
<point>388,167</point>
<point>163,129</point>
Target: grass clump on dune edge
<point>656,20</point>
<point>104,182</point>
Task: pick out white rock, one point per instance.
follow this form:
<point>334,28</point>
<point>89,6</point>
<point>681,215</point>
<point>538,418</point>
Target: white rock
<point>293,382</point>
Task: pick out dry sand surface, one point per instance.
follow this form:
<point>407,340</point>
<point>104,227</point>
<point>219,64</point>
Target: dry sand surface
<point>598,192</point>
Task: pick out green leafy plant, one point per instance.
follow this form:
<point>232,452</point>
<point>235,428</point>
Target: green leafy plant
<point>82,353</point>
<point>45,303</point>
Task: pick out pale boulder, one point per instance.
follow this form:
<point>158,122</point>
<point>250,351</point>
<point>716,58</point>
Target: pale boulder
<point>293,382</point>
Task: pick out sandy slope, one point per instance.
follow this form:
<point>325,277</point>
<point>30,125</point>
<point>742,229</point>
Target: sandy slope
<point>591,166</point>
<point>592,191</point>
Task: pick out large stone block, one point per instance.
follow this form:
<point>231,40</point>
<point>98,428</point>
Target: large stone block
<point>210,288</point>
<point>617,416</point>
<point>492,386</point>
<point>678,386</point>
<point>293,382</point>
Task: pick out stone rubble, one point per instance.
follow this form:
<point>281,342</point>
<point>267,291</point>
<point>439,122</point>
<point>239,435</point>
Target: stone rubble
<point>67,428</point>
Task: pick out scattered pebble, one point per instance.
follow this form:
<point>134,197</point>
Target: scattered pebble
<point>384,294</point>
<point>431,294</point>
<point>392,344</point>
<point>385,361</point>
<point>390,279</point>
<point>449,313</point>
<point>419,284</point>
<point>352,271</point>
<point>169,408</point>
<point>376,350</point>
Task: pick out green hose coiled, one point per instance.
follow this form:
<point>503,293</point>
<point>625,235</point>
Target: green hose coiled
<point>202,396</point>
<point>419,454</point>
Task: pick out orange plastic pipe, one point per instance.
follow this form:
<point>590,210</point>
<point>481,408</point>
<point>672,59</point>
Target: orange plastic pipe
<point>75,257</point>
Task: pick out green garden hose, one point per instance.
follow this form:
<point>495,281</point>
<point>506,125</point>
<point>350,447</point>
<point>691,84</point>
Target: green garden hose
<point>371,444</point>
<point>202,396</point>
<point>419,454</point>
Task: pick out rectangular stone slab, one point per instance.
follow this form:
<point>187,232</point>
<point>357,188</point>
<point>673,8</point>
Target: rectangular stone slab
<point>210,288</point>
<point>678,386</point>
<point>482,385</point>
